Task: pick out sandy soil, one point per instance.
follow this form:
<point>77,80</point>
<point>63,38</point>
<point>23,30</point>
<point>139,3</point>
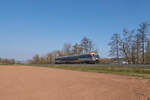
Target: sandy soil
<point>37,83</point>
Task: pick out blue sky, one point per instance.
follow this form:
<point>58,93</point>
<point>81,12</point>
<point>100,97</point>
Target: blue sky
<point>28,27</point>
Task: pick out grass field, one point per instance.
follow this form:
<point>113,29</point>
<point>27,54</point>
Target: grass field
<point>132,70</point>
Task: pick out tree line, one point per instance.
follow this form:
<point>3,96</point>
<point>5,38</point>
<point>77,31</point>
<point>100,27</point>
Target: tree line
<point>7,61</point>
<point>132,45</point>
<point>85,46</point>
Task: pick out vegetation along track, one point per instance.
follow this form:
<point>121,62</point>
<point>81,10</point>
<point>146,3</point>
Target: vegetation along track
<point>132,70</point>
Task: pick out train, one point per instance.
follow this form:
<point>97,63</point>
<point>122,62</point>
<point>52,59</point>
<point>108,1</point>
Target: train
<point>91,58</point>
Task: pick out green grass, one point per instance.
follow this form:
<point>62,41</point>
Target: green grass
<point>131,71</point>
<point>7,64</point>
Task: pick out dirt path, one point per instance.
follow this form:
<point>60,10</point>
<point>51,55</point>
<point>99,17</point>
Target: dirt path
<point>37,83</point>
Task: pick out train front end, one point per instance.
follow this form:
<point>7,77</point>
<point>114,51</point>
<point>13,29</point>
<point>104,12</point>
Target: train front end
<point>95,57</point>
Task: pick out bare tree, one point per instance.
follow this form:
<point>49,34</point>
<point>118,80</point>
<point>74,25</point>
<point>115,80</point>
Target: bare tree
<point>30,61</point>
<point>67,49</point>
<point>133,53</point>
<point>128,45</point>
<point>115,46</point>
<point>49,58</point>
<point>77,49</point>
<point>138,48</point>
<point>147,56</point>
<point>36,59</point>
<point>42,60</point>
<point>142,31</point>
<point>86,45</point>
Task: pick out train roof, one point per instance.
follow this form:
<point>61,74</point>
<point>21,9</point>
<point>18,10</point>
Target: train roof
<point>73,56</point>
<point>76,55</point>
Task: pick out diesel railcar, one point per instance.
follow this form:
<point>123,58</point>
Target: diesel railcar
<point>79,59</point>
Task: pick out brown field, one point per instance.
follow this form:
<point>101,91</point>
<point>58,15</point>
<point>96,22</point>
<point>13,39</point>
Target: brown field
<point>37,83</point>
